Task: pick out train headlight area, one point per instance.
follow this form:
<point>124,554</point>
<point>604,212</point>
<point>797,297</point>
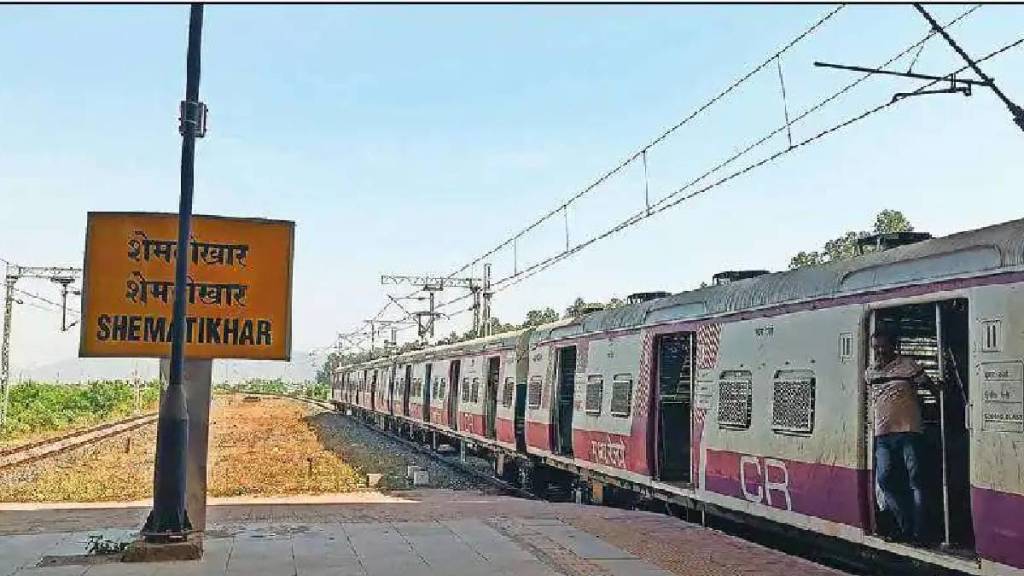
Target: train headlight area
<point>873,406</point>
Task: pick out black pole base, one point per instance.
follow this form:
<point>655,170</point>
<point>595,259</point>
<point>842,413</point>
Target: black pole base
<point>160,529</point>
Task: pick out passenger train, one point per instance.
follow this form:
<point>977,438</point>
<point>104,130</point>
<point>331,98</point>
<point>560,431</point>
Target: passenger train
<point>746,399</point>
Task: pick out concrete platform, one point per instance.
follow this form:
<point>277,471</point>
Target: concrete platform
<point>430,532</point>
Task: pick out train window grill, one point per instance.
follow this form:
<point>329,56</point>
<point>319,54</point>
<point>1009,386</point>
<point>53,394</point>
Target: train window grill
<point>991,335</point>
<point>734,399</point>
<point>676,353</point>
<point>622,395</point>
<point>595,394</point>
<point>793,402</point>
<point>442,388</point>
<point>508,392</point>
<point>534,391</point>
<point>465,390</point>
<point>845,346</point>
<point>476,391</point>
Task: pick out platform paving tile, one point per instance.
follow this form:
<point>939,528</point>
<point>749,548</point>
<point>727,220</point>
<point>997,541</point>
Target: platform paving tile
<point>20,550</point>
<point>430,533</point>
<point>580,543</point>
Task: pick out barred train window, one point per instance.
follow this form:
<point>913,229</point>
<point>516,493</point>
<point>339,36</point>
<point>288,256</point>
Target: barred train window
<point>622,394</point>
<point>476,391</point>
<point>595,394</point>
<point>793,402</point>
<point>508,392</point>
<point>734,389</point>
<point>534,392</point>
<point>442,388</point>
<point>465,389</point>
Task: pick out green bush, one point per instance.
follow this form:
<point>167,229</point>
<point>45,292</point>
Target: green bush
<point>43,406</point>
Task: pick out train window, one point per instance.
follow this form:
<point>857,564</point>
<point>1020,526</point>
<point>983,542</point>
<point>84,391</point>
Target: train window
<point>991,337</point>
<point>622,394</point>
<point>441,388</point>
<point>534,392</point>
<point>508,392</point>
<point>595,394</point>
<point>845,346</point>
<point>793,402</point>
<point>734,391</point>
<point>476,391</point>
<point>465,390</point>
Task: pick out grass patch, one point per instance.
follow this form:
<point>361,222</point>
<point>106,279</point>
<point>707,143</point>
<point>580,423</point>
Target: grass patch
<point>40,409</point>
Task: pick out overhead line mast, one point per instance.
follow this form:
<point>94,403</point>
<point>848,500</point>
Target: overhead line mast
<point>64,276</point>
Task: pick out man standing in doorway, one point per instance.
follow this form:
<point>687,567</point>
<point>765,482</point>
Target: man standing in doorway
<point>896,412</point>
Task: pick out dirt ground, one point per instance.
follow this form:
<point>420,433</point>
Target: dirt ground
<point>267,447</point>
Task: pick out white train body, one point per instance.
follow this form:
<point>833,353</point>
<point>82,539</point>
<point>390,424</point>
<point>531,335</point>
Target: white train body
<point>749,397</point>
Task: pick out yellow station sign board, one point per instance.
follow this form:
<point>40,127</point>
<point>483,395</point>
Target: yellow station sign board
<point>239,286</point>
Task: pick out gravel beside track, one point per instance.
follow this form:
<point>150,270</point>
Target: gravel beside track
<point>375,452</point>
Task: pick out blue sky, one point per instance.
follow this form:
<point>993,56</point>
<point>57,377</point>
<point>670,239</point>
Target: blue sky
<point>410,139</point>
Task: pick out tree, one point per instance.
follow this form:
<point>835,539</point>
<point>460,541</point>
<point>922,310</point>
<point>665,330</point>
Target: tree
<point>892,221</point>
<point>845,246</point>
<point>614,303</point>
<point>575,310</point>
<point>538,317</point>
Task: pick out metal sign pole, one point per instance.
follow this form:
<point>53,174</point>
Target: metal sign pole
<point>168,520</point>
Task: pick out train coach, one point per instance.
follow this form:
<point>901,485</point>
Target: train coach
<point>747,399</point>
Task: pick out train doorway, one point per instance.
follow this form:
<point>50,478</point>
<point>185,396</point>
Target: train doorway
<point>519,416</point>
<point>391,389</point>
<point>453,394</point>
<point>373,390</point>
<point>406,386</point>
<point>566,378</point>
<point>936,335</point>
<point>426,392</point>
<point>674,377</point>
<point>491,396</point>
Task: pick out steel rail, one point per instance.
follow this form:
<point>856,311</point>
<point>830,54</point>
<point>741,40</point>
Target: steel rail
<point>40,449</point>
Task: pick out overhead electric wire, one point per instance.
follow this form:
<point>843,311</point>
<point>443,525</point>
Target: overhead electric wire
<point>513,279</point>
<point>673,199</point>
<point>42,299</point>
<point>657,206</point>
<point>638,154</point>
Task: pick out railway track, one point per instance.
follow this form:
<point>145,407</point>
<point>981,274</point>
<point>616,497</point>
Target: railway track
<point>25,453</point>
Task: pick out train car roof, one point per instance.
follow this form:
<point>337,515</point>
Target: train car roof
<point>494,342</point>
<point>973,252</point>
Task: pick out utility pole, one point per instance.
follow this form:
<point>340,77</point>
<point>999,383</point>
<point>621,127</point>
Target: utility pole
<point>432,285</point>
<point>486,293</point>
<point>13,273</point>
<point>168,521</point>
<point>1016,111</point>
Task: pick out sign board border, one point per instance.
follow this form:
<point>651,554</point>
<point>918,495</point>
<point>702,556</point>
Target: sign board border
<point>256,220</point>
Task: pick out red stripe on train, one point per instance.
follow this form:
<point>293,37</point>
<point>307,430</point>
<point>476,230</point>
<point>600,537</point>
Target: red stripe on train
<point>832,493</point>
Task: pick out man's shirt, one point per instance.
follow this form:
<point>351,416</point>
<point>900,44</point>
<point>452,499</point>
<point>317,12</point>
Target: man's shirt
<point>894,403</point>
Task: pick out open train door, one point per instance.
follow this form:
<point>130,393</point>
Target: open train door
<point>373,390</point>
<point>426,392</point>
<point>453,394</point>
<point>491,396</point>
<point>935,334</point>
<point>406,387</point>
<point>565,394</point>
<point>675,355</point>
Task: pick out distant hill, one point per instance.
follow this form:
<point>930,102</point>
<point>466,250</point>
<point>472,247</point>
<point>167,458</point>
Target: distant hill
<point>301,368</point>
